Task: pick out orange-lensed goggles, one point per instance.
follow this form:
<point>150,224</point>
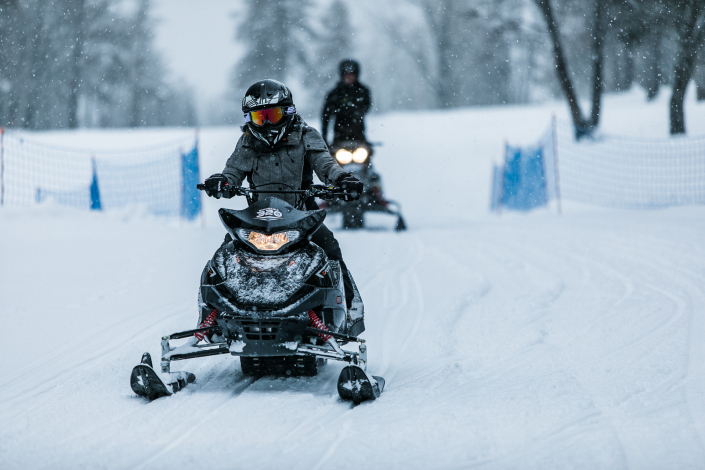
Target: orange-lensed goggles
<point>270,115</point>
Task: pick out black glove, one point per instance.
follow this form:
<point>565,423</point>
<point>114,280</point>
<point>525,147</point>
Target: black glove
<point>217,186</point>
<point>351,186</point>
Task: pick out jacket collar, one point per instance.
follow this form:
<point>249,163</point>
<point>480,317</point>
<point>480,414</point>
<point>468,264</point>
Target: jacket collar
<point>293,136</point>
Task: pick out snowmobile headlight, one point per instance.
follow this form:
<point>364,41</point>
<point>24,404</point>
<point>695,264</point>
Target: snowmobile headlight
<point>265,242</point>
<point>344,156</point>
<point>360,155</point>
<point>271,242</point>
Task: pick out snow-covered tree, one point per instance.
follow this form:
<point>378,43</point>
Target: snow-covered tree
<point>276,34</point>
<point>334,43</point>
<point>70,63</point>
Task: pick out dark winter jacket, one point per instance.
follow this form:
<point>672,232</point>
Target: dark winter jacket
<point>349,104</point>
<point>290,165</point>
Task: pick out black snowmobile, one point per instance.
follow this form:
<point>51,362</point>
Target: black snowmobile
<point>355,156</point>
<point>272,297</point>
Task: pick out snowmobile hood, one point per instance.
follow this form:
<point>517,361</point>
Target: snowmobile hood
<point>266,281</point>
<point>270,215</point>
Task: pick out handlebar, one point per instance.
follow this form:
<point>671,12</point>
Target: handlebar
<point>316,190</point>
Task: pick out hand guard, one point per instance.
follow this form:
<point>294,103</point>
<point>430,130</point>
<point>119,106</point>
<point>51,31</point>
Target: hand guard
<point>217,186</point>
<point>351,186</point>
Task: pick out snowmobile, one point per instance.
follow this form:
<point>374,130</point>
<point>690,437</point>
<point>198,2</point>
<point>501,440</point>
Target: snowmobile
<point>355,156</point>
<point>272,297</point>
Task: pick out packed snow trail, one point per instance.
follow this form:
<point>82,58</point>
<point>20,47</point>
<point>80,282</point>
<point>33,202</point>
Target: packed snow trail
<point>521,341</point>
<point>524,341</point>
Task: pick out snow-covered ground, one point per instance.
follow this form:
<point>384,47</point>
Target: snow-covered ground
<point>520,341</point>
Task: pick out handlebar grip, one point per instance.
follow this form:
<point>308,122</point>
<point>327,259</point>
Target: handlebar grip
<point>201,187</point>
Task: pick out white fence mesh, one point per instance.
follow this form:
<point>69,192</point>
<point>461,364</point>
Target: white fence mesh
<point>151,177</point>
<point>628,172</point>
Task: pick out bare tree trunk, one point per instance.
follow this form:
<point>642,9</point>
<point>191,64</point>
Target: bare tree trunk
<point>598,55</point>
<point>78,15</point>
<point>583,127</point>
<point>685,65</point>
<point>9,59</point>
<point>439,16</point>
<point>699,79</point>
<point>446,88</point>
<point>30,81</point>
<point>561,65</point>
<point>653,80</point>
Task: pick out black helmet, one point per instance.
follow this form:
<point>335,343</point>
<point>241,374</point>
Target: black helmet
<point>349,66</point>
<point>269,108</point>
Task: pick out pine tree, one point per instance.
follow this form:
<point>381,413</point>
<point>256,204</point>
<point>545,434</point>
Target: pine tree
<point>334,44</point>
<point>275,33</point>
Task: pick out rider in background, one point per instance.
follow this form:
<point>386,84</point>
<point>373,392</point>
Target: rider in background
<point>349,101</point>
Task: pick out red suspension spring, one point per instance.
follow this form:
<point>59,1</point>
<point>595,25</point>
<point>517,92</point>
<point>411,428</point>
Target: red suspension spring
<point>315,322</point>
<point>206,323</point>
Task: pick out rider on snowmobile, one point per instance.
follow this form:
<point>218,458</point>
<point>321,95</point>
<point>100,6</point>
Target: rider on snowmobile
<point>349,101</point>
<point>279,151</point>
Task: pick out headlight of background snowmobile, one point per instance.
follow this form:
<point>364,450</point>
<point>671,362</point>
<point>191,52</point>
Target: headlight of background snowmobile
<point>360,155</point>
<point>264,242</point>
<point>344,156</point>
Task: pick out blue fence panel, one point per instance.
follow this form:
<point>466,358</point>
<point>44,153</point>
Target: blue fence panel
<point>95,189</point>
<point>190,177</point>
<point>160,179</point>
<point>521,184</point>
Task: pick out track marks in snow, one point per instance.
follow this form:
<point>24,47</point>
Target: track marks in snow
<point>93,348</point>
<point>527,343</point>
<point>209,411</point>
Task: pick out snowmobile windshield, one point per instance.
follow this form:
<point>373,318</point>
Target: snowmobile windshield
<point>271,225</point>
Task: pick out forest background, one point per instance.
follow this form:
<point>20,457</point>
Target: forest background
<point>93,63</point>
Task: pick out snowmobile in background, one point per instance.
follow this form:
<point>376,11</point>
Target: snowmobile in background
<point>355,156</point>
<point>272,297</point>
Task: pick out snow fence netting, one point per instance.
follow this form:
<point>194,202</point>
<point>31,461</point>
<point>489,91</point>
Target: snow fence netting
<point>160,178</point>
<point>605,170</point>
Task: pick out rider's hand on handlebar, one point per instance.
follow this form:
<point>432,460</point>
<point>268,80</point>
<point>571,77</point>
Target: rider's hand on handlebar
<point>351,187</point>
<point>217,186</point>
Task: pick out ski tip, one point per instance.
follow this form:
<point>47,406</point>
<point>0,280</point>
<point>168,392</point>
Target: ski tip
<point>380,382</point>
<point>146,383</point>
<point>354,384</point>
<point>147,359</point>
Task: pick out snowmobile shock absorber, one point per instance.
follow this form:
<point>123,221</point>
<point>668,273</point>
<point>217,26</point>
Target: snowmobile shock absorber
<point>316,322</point>
<point>208,322</point>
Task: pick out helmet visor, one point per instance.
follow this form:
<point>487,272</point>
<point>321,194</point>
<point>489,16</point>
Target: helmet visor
<point>270,115</point>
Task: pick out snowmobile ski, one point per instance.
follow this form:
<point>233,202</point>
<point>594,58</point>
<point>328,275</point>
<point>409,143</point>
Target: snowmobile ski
<point>354,384</point>
<point>146,382</point>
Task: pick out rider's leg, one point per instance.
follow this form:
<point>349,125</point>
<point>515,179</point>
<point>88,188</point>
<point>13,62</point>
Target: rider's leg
<point>326,240</point>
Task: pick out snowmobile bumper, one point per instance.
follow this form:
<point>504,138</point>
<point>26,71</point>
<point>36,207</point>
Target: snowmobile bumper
<point>265,337</point>
<point>253,337</point>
